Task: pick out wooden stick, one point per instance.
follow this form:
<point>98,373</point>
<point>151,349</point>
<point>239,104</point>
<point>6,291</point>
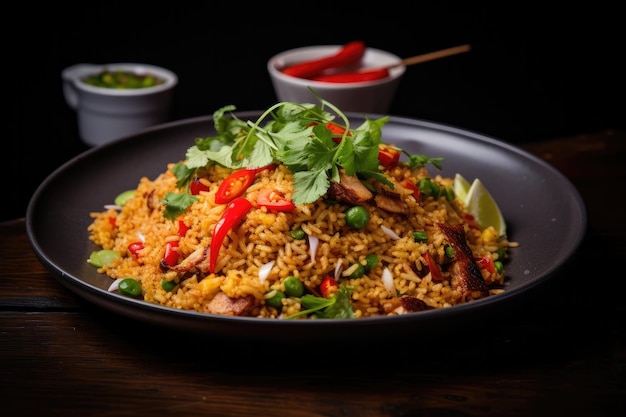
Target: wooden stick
<point>418,59</point>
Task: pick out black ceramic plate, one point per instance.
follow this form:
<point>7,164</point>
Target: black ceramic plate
<point>544,213</point>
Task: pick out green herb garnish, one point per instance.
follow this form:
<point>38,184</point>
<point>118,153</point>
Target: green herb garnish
<point>336,307</point>
<point>294,134</point>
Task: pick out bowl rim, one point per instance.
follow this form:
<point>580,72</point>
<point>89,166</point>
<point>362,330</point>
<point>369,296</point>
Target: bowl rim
<point>273,65</point>
<point>75,73</point>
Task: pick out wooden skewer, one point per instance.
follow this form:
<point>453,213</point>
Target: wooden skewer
<point>418,59</point>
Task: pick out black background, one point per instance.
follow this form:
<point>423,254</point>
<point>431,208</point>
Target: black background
<point>532,74</point>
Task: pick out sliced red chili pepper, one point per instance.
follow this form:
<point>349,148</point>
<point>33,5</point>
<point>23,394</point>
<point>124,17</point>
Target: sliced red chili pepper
<point>486,263</point>
<point>274,200</point>
<point>171,253</point>
<point>134,248</point>
<point>233,215</point>
<point>335,128</point>
<point>269,167</point>
<point>182,228</point>
<point>348,54</point>
<point>196,186</point>
<point>354,77</point>
<point>234,185</point>
<point>388,155</point>
<point>337,131</point>
<point>328,286</point>
<point>435,271</point>
<point>408,184</point>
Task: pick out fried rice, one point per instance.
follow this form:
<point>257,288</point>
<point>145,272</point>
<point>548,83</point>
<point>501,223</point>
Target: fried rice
<point>452,261</point>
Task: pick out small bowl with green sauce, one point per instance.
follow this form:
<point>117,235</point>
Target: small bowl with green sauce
<point>116,100</point>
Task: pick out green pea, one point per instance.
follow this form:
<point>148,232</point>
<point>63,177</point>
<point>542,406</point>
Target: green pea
<point>298,234</point>
<point>420,236</point>
<point>357,217</point>
<point>371,261</point>
<point>122,198</point>
<point>449,252</point>
<point>130,287</point>
<point>358,272</point>
<point>276,300</point>
<point>293,287</point>
<point>168,285</point>
<point>102,257</point>
<point>499,266</point>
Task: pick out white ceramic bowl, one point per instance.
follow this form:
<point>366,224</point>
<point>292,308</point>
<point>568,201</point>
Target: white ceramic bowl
<point>365,97</point>
<point>105,114</point>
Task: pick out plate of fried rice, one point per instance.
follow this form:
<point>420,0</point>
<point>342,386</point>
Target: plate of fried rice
<point>302,222</point>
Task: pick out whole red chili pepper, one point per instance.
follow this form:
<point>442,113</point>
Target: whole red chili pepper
<point>234,213</point>
<point>348,54</point>
<point>354,77</point>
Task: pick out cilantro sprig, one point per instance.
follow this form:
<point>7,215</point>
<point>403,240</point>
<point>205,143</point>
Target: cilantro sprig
<point>294,134</point>
<point>338,306</point>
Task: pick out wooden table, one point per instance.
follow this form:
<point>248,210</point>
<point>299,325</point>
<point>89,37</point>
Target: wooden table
<point>560,351</point>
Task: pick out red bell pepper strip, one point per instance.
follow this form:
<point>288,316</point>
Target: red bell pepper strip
<point>134,248</point>
<point>328,286</point>
<point>486,263</point>
<point>354,77</point>
<point>407,183</point>
<point>388,155</point>
<point>196,186</point>
<point>337,131</point>
<point>233,215</point>
<point>350,53</point>
<point>274,200</point>
<point>234,185</point>
<point>182,228</point>
<point>171,253</point>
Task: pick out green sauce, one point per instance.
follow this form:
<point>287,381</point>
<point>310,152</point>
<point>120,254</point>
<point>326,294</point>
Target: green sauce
<point>122,80</point>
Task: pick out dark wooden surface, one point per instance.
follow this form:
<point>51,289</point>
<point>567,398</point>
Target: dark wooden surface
<point>561,350</point>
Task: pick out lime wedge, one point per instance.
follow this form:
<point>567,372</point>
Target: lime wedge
<point>460,186</point>
<point>480,204</point>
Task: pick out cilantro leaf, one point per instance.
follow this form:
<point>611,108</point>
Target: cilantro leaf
<point>176,204</point>
<point>309,186</point>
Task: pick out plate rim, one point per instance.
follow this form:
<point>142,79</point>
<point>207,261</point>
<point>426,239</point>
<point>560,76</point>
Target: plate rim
<point>186,319</point>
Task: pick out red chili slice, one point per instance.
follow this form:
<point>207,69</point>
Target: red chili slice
<point>274,200</point>
<point>328,286</point>
<point>234,185</point>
